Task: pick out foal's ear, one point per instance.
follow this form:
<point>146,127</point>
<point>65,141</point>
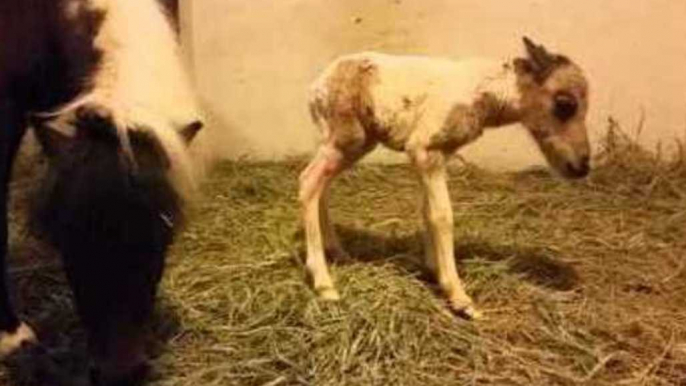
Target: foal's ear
<point>53,139</point>
<point>523,66</point>
<point>538,55</point>
<point>189,131</point>
<point>539,63</point>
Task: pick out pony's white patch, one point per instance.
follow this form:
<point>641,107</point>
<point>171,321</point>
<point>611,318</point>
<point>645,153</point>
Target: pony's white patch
<point>141,79</point>
<point>9,343</point>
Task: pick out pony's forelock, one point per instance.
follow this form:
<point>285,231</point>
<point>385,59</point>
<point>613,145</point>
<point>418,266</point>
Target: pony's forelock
<point>141,80</point>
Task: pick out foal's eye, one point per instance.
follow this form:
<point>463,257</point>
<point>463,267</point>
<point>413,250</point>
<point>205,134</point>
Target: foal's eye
<point>565,106</point>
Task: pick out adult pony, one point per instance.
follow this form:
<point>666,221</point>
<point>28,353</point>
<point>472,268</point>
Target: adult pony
<point>102,83</point>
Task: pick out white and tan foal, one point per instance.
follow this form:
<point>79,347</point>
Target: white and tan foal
<point>429,108</point>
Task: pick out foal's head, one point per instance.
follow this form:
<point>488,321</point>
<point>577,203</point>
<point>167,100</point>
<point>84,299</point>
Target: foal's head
<point>553,107</point>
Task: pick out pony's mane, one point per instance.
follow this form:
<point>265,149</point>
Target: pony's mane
<point>141,78</point>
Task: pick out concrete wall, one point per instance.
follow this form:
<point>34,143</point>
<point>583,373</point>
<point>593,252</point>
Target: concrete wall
<point>254,59</point>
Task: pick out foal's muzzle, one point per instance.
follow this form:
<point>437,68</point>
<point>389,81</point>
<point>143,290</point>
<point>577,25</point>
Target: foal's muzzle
<point>581,170</point>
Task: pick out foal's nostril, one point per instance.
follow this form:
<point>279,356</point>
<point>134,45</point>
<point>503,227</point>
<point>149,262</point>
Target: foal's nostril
<point>585,162</point>
<point>580,170</point>
<point>584,165</point>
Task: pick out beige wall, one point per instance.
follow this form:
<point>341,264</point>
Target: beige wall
<point>254,59</point>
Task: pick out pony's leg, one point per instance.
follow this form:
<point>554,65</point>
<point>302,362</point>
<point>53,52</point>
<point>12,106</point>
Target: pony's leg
<point>314,180</point>
<point>13,332</point>
<point>438,217</point>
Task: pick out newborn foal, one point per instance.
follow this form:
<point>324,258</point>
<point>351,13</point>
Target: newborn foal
<point>429,108</point>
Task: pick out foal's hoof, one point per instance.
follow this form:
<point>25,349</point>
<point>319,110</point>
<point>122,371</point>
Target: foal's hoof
<point>465,309</point>
<point>11,342</point>
<point>469,313</point>
<point>328,294</point>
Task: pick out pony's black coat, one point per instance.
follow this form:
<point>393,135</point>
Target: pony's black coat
<point>35,75</point>
<point>111,217</point>
<point>112,221</point>
<point>46,59</point>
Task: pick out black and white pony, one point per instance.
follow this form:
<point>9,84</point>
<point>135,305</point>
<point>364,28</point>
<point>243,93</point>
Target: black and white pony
<point>102,84</point>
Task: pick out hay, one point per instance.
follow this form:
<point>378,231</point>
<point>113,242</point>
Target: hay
<point>580,282</point>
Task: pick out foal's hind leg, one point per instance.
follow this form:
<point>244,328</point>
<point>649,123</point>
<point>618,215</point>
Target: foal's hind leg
<point>332,244</point>
<point>345,143</point>
<point>314,180</point>
<point>333,248</point>
<point>13,333</point>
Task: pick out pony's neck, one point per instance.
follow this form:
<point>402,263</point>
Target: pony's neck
<point>498,98</point>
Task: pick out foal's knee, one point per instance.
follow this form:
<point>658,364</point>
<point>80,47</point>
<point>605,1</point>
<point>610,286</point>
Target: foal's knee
<point>327,163</point>
<point>304,191</point>
<point>440,220</point>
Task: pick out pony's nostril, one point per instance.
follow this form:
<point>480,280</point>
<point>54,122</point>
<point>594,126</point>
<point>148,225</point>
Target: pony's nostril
<point>133,377</point>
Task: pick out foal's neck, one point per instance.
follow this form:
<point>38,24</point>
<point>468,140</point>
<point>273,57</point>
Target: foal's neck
<point>498,98</point>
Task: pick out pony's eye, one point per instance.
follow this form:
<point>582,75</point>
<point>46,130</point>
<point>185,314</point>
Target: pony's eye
<point>565,107</point>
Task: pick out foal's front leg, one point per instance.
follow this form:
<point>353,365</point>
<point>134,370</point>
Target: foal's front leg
<point>438,217</point>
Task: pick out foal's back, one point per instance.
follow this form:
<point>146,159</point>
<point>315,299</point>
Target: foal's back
<point>391,97</point>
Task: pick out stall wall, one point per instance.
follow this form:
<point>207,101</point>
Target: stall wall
<point>253,60</point>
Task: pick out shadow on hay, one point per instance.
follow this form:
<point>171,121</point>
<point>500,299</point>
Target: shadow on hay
<point>536,265</point>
